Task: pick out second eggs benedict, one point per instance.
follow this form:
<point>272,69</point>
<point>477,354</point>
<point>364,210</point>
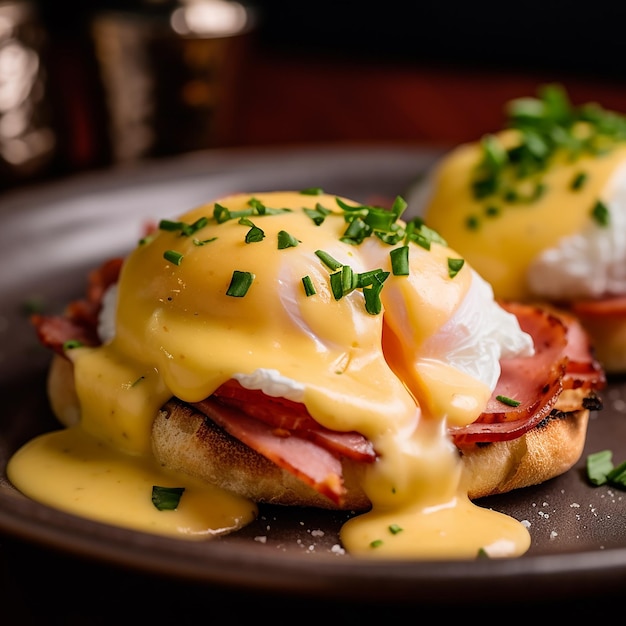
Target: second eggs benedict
<point>303,349</point>
<point>539,210</point>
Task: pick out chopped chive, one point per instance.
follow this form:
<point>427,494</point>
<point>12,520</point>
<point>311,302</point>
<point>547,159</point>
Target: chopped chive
<point>173,257</point>
<point>482,553</point>
<point>349,280</point>
<point>169,225</point>
<point>380,219</point>
<point>617,476</point>
<point>579,180</point>
<point>336,284</point>
<point>508,401</point>
<point>394,529</point>
<point>600,213</point>
<point>372,276</point>
<point>422,235</point>
<point>309,288</point>
<point>454,266</point>
<point>145,240</point>
<point>203,242</point>
<point>220,213</point>
<point>285,240</point>
<point>511,195</point>
<point>201,222</point>
<point>239,284</point>
<point>257,205</point>
<point>356,232</point>
<point>400,261</point>
<point>312,191</point>
<point>71,344</point>
<point>192,229</point>
<point>183,227</point>
<point>166,498</point>
<point>599,465</point>
<point>399,206</point>
<point>376,543</point>
<point>371,292</point>
<point>328,260</point>
<point>393,237</point>
<point>254,235</point>
<point>472,222</point>
<point>318,215</point>
<point>348,208</point>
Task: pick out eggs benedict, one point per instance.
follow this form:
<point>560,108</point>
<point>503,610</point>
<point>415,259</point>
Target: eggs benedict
<point>539,210</point>
<point>303,349</point>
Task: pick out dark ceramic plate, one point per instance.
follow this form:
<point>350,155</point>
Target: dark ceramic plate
<point>50,237</point>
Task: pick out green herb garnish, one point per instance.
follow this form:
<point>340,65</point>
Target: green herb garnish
<point>617,476</point>
<point>547,124</point>
<point>600,470</point>
<point>599,465</point>
<point>328,260</point>
<point>255,234</point>
<point>508,401</point>
<point>285,240</point>
<point>579,181</point>
<point>71,344</point>
<point>372,286</point>
<point>183,227</point>
<point>454,266</point>
<point>400,261</point>
<point>222,214</point>
<point>309,288</point>
<point>203,242</point>
<point>318,215</point>
<point>600,213</point>
<point>239,284</point>
<point>166,498</point>
<point>173,257</point>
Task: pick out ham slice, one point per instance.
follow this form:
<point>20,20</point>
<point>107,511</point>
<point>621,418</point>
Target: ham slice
<point>80,319</point>
<point>284,415</point>
<point>563,360</point>
<point>312,464</point>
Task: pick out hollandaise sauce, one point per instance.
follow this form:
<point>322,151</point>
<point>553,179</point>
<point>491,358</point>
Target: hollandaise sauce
<point>298,292</point>
<point>78,473</point>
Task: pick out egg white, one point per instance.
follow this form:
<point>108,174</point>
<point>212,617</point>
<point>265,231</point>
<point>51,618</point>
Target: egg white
<point>591,263</point>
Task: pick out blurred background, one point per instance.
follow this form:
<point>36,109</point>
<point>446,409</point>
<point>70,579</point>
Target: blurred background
<point>91,85</point>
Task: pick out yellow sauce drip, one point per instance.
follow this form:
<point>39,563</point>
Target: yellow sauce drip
<point>72,471</point>
<point>179,334</point>
<point>503,245</point>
